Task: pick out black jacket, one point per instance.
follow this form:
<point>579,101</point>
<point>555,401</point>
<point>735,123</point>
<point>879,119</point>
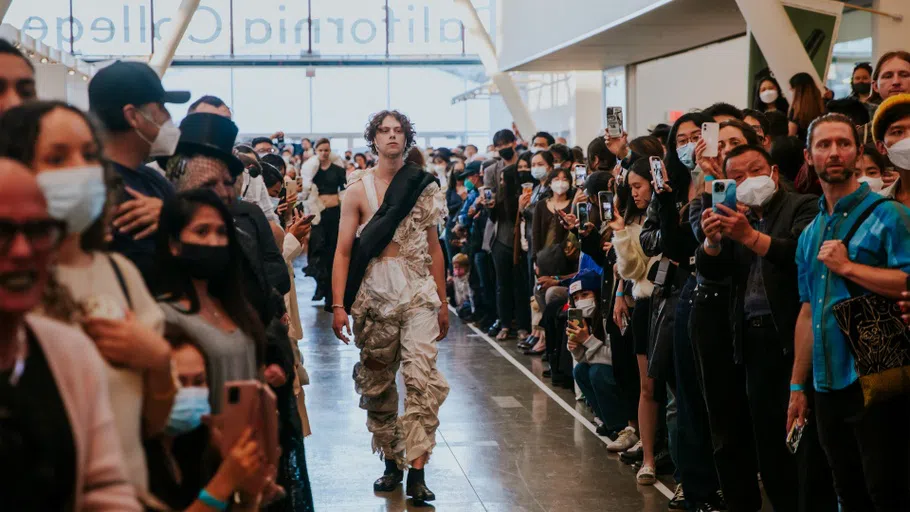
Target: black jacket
<point>786,216</point>
<point>664,232</point>
<point>250,220</point>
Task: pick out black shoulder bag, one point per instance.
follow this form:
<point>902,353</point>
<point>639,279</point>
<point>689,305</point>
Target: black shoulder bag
<point>876,334</point>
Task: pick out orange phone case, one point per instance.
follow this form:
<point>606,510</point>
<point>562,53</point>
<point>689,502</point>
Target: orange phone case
<point>250,403</point>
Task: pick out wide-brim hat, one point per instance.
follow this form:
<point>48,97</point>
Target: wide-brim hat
<point>210,135</point>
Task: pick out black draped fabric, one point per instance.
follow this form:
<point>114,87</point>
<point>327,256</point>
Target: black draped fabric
<point>401,196</point>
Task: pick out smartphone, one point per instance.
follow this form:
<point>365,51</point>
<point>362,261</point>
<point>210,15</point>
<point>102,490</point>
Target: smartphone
<point>308,218</point>
<point>488,195</point>
<point>299,208</point>
<point>606,205</point>
<point>614,121</point>
<point>658,173</point>
<point>723,192</point>
<point>583,215</point>
<point>581,173</point>
<point>250,403</point>
<point>625,325</point>
<point>710,133</point>
<point>575,314</point>
<point>795,436</point>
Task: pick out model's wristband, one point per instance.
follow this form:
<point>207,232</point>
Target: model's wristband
<point>797,388</point>
<point>619,293</point>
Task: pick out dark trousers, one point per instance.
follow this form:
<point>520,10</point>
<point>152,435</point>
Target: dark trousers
<point>485,299</point>
<point>554,324</point>
<point>695,460</point>
<point>512,294</point>
<point>625,369</point>
<point>723,386</point>
<point>597,383</point>
<point>868,449</point>
<point>331,218</point>
<point>800,482</point>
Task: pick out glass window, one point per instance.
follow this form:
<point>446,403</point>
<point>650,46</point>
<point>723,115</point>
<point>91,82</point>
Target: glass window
<point>349,27</point>
<point>424,27</point>
<point>267,99</point>
<point>344,98</point>
<point>270,27</point>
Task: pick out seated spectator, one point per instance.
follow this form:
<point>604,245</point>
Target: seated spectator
<point>461,276</point>
<point>590,347</point>
<point>67,451</point>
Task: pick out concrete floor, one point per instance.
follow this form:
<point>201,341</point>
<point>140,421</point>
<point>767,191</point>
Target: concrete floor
<point>504,444</point>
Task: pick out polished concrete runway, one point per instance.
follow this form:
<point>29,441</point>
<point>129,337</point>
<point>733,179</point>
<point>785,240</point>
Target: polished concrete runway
<point>504,444</point>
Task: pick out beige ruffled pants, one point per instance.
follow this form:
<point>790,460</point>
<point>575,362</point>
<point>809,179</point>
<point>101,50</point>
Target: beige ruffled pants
<point>396,325</point>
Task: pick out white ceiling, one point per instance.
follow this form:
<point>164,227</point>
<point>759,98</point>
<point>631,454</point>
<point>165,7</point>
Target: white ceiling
<point>674,27</point>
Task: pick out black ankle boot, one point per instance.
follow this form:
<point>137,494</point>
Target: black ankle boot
<point>389,479</point>
<point>417,487</point>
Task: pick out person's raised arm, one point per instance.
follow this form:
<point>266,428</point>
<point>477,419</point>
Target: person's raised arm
<point>347,231</point>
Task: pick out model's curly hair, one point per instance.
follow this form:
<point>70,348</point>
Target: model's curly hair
<point>410,135</point>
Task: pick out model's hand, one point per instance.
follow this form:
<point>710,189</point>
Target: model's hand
<point>340,323</point>
<point>443,319</point>
<point>833,254</point>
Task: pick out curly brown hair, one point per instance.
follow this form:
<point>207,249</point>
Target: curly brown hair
<point>375,122</point>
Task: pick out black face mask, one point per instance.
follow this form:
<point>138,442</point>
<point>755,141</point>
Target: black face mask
<point>204,262</point>
<point>507,153</point>
<point>862,89</point>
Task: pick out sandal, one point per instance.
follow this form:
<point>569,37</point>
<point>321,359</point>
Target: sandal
<point>646,476</point>
<point>503,335</point>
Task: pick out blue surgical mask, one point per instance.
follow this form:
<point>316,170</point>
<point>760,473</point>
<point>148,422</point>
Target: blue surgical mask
<point>539,172</point>
<point>686,155</point>
<point>275,201</point>
<point>74,195</point>
<point>190,405</point>
<point>469,185</point>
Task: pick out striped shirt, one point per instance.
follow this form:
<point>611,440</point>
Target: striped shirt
<point>883,241</point>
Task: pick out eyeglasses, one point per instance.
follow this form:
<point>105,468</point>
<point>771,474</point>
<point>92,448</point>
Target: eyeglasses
<point>42,235</point>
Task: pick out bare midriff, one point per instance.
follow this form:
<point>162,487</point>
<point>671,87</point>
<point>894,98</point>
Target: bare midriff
<point>330,200</point>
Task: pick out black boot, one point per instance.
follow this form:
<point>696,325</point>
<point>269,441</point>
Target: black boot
<point>389,479</point>
<point>417,487</point>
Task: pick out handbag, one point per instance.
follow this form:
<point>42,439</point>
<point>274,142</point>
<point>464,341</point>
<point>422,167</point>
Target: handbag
<point>876,335</point>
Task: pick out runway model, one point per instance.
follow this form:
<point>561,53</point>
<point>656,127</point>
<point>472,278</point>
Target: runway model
<point>389,275</point>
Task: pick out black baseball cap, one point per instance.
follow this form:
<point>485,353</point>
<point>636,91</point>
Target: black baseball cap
<point>129,83</point>
<point>470,169</point>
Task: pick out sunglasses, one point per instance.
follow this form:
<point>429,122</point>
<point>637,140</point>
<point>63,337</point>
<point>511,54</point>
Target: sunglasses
<point>42,235</point>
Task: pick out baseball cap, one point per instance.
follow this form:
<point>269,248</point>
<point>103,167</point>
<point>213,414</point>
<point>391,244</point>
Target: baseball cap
<point>585,281</point>
<point>470,169</point>
<point>129,83</point>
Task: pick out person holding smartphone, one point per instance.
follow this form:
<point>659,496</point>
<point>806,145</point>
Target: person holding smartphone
<point>590,347</point>
<point>754,249</point>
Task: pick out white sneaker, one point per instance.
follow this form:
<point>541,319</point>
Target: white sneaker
<point>625,440</point>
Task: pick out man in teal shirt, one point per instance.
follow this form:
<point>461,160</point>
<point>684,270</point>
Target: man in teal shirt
<point>867,447</point>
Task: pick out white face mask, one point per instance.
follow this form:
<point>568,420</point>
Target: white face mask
<point>559,187</point>
<point>755,192</point>
<point>587,307</point>
<point>538,172</point>
<point>74,195</point>
<point>876,184</point>
<point>899,154</point>
<point>769,96</point>
<point>166,142</point>
<point>275,201</point>
<point>534,150</point>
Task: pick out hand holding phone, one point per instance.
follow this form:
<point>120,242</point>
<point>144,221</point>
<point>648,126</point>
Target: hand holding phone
<point>658,174</point>
<point>723,192</point>
<point>795,436</point>
<point>710,133</point>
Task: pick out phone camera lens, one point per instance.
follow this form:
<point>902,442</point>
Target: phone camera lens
<point>718,187</point>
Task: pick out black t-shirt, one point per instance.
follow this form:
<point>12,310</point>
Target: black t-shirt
<point>38,471</point>
<point>148,182</point>
<point>330,181</point>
